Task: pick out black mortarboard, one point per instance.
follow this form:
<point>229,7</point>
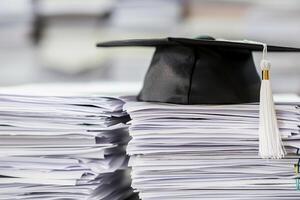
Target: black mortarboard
<point>200,71</point>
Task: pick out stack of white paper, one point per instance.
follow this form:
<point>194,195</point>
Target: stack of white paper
<point>210,152</point>
<point>63,148</point>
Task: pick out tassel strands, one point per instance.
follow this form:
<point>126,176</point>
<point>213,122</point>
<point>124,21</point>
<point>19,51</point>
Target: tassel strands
<point>270,141</point>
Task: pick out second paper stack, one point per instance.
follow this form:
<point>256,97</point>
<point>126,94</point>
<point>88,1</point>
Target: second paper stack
<point>209,152</point>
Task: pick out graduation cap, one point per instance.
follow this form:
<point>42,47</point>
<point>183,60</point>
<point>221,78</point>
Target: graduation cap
<point>199,71</point>
<point>209,71</point>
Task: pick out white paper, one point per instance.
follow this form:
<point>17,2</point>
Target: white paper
<point>189,152</point>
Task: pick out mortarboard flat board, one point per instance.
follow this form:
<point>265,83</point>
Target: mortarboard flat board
<point>200,71</point>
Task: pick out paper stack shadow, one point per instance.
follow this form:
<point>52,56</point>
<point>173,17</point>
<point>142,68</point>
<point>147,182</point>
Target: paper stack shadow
<point>63,148</point>
<point>189,152</point>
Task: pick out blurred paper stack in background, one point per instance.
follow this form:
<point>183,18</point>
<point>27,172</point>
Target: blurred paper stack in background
<point>54,40</point>
<point>65,35</point>
<point>63,148</point>
<point>17,57</point>
<point>15,22</point>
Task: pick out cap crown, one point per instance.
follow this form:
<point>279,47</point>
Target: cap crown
<point>201,75</point>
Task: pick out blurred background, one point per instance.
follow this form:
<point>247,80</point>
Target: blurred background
<point>51,41</point>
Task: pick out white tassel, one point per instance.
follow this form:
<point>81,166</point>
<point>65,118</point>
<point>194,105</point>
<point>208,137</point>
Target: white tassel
<point>270,141</point>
